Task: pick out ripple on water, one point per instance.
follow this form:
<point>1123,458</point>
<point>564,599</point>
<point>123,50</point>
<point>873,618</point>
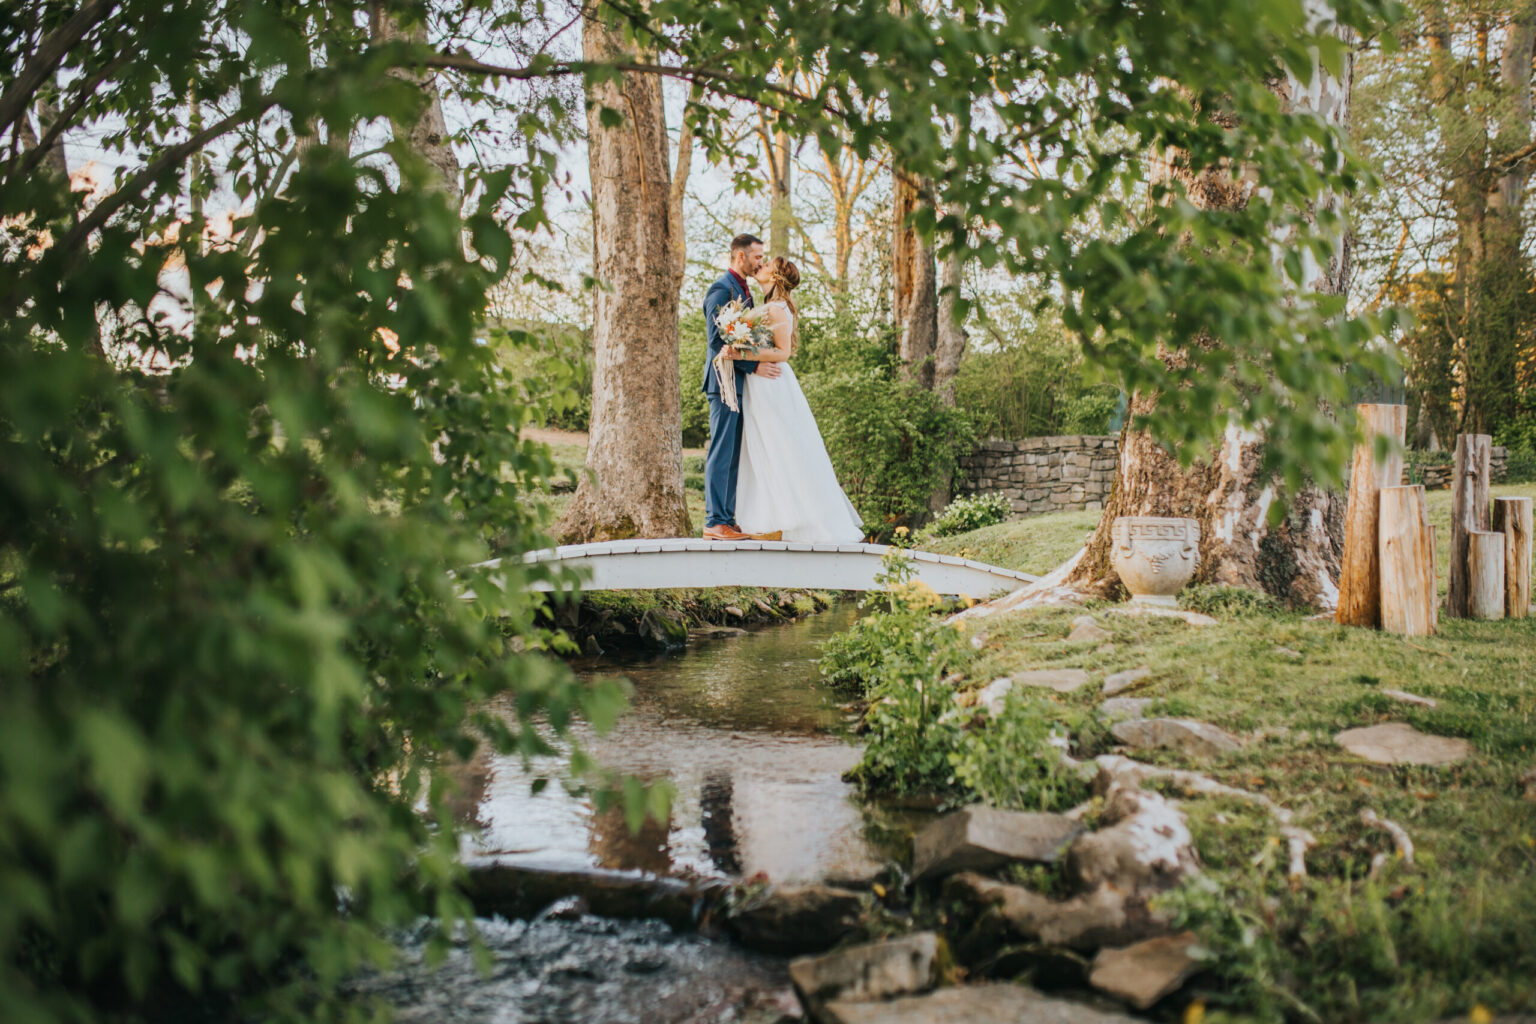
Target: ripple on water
<point>584,971</point>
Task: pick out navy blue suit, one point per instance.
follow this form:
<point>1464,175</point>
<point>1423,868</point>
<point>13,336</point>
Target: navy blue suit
<point>722,462</point>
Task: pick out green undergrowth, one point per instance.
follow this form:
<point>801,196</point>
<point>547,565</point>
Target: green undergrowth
<point>1439,938</point>
<point>1419,942</point>
<point>613,614</point>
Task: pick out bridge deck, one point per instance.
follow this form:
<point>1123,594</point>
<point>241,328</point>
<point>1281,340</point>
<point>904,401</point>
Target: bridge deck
<point>692,562</point>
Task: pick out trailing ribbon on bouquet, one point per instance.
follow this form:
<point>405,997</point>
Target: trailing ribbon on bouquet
<point>725,372</point>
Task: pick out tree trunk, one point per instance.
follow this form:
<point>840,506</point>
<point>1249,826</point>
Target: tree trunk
<point>428,134</point>
<point>1360,583</point>
<point>681,169</point>
<point>950,343</point>
<point>1406,554</point>
<point>1469,514</point>
<point>634,484</point>
<point>781,213</point>
<point>1512,518</point>
<point>1485,575</point>
<point>914,291</point>
<point>1298,560</point>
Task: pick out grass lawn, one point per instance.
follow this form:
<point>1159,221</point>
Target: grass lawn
<point>570,456</point>
<point>1455,930</point>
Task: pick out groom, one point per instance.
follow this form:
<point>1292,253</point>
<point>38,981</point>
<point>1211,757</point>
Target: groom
<point>723,460</point>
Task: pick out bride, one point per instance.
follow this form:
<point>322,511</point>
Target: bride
<point>787,482</point>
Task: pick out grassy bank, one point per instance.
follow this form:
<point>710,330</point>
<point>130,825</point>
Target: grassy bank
<point>1417,942</point>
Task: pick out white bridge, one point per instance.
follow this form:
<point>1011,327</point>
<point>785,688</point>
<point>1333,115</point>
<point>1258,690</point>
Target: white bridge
<point>695,563</point>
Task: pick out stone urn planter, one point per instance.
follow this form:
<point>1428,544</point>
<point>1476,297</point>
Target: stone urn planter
<point>1155,556</point>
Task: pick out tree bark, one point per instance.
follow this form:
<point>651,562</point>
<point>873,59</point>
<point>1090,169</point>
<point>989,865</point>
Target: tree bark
<point>914,291</point>
<point>1485,575</point>
<point>682,167</point>
<point>634,484</point>
<point>1406,554</point>
<point>1360,582</point>
<point>1469,514</point>
<point>781,213</point>
<point>428,134</point>
<point>1512,518</point>
<point>949,345</point>
<point>1296,561</point>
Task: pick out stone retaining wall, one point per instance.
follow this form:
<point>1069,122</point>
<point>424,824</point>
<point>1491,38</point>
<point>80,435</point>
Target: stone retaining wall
<point>1076,471</point>
<point>1437,478</point>
<point>1044,474</point>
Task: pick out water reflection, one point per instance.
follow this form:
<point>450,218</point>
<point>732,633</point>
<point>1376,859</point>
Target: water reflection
<point>753,745</point>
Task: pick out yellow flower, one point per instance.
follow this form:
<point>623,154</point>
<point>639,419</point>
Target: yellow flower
<point>902,531</point>
<point>959,624</point>
<point>1480,1015</point>
<point>1194,1013</point>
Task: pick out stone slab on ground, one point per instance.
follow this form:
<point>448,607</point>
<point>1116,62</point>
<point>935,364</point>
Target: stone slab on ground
<point>1085,629</point>
<point>979,838</point>
<point>1401,743</point>
<point>1193,618</point>
<point>1409,698</point>
<point>1102,917</point>
<point>1122,681</point>
<point>974,1004</point>
<point>873,970</point>
<point>1188,735</point>
<point>1062,680</point>
<point>1146,972</point>
<point>1124,707</point>
<point>792,919</point>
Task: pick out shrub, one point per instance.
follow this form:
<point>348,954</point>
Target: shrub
<point>691,347</point>
<point>970,513</point>
<point>233,660</point>
<point>551,364</point>
<point>1033,382</point>
<point>893,443</point>
<point>1216,599</point>
<point>1015,760</point>
<point>900,656</point>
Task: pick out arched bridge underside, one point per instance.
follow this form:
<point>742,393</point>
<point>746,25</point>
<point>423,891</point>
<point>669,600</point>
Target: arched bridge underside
<point>695,563</point>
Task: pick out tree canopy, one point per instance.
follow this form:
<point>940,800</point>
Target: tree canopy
<point>236,465</point>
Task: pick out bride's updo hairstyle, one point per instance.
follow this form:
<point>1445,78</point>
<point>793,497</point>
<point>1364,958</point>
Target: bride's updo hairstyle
<point>783,278</point>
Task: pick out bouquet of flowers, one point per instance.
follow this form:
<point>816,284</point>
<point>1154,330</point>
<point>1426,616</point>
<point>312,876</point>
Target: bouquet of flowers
<point>744,329</point>
<point>747,332</point>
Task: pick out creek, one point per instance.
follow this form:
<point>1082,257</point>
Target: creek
<point>754,746</point>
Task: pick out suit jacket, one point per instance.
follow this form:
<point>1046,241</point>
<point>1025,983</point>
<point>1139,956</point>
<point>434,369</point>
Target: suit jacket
<point>721,293</point>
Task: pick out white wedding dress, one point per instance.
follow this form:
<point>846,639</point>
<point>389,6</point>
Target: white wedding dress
<point>786,481</point>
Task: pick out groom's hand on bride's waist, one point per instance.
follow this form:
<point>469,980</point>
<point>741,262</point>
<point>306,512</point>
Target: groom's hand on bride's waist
<point>769,370</point>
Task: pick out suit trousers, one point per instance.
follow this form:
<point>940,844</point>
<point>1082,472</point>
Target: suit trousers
<point>722,461</point>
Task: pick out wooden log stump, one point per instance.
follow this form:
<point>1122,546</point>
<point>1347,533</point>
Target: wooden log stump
<point>1485,575</point>
<point>1469,513</point>
<point>1359,569</point>
<point>1434,572</point>
<point>1406,553</point>
<point>1512,518</point>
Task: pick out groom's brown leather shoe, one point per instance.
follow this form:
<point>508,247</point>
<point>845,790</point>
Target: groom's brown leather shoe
<point>725,531</point>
